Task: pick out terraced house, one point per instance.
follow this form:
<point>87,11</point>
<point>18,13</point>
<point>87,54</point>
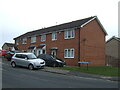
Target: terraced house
<point>80,40</point>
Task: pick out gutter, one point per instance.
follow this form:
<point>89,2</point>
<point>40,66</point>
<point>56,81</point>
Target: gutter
<point>79,45</point>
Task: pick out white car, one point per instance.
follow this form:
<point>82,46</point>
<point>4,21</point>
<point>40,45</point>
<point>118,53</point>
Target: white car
<point>27,60</point>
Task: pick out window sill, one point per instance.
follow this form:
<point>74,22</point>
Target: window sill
<point>69,38</point>
<point>42,41</point>
<point>24,43</point>
<point>68,57</point>
<point>33,42</point>
<point>54,39</point>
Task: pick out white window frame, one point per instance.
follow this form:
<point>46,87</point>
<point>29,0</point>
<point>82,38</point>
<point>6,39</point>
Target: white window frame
<point>24,40</point>
<point>33,39</point>
<point>54,35</point>
<point>43,37</point>
<point>69,34</point>
<point>17,42</point>
<point>69,53</point>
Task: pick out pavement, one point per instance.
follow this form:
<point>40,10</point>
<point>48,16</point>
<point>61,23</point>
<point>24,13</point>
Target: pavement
<point>79,74</point>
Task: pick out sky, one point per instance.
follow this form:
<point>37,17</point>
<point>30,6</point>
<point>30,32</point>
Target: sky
<point>20,16</point>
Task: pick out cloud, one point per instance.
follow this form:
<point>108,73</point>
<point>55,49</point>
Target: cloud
<point>20,16</point>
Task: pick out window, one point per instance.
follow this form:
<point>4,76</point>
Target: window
<point>69,34</point>
<point>69,53</point>
<point>18,55</point>
<point>22,56</point>
<point>33,39</point>
<point>43,37</point>
<point>17,42</point>
<point>54,36</point>
<point>24,41</point>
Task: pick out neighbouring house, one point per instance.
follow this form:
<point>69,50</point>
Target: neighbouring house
<point>112,51</point>
<point>80,40</point>
<point>9,46</point>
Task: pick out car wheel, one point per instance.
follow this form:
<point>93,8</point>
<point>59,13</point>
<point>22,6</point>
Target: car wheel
<point>61,65</point>
<point>13,64</point>
<point>54,64</point>
<point>31,67</point>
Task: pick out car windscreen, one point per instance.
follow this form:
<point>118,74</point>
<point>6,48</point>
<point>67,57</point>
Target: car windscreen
<point>10,52</point>
<point>48,57</point>
<point>31,56</point>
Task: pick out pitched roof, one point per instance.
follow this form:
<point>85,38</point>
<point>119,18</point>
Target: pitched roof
<point>116,38</point>
<point>10,44</point>
<point>73,24</point>
<point>31,47</point>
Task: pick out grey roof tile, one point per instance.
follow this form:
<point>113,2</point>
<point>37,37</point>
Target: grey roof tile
<point>72,24</point>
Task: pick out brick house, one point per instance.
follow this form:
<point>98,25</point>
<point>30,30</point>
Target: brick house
<point>112,51</point>
<point>80,40</point>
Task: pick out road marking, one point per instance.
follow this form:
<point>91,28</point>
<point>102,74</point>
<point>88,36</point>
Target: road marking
<point>93,78</point>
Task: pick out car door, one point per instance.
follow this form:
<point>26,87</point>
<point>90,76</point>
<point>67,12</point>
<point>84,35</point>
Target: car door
<point>0,53</point>
<point>17,59</point>
<point>24,61</point>
<point>49,60</point>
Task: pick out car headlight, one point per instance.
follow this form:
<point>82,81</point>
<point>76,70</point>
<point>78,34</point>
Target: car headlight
<point>58,61</point>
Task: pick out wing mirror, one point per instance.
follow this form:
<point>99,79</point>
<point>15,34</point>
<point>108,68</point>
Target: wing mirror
<point>26,58</point>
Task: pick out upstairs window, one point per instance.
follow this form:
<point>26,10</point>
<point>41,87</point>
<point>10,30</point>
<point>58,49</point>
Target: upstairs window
<point>33,39</point>
<point>24,41</point>
<point>43,38</point>
<point>54,36</point>
<point>17,42</point>
<point>69,34</point>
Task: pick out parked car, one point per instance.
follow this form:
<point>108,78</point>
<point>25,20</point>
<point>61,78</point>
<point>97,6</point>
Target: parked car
<point>28,60</point>
<point>0,52</point>
<point>51,61</point>
<point>3,52</point>
<point>9,55</point>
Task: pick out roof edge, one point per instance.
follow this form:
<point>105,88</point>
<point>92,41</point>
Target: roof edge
<point>82,25</point>
<point>88,21</point>
<point>113,37</point>
<point>95,17</point>
<point>101,26</point>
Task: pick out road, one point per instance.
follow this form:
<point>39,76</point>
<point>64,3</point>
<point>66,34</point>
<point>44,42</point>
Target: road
<point>23,78</point>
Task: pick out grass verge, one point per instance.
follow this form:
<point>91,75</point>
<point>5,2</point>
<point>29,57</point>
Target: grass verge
<point>99,70</point>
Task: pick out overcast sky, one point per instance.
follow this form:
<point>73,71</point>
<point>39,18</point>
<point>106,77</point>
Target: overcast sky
<point>20,16</point>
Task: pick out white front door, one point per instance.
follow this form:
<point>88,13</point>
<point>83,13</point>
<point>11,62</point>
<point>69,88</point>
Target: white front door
<point>41,51</point>
<point>54,53</point>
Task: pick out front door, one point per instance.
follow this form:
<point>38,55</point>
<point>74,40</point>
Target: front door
<point>54,53</point>
<point>41,51</point>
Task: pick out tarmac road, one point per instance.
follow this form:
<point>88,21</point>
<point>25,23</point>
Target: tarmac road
<point>23,78</point>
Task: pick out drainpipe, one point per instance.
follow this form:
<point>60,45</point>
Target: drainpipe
<point>79,46</point>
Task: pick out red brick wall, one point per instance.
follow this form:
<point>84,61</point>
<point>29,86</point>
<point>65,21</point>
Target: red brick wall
<point>92,44</point>
<point>62,44</point>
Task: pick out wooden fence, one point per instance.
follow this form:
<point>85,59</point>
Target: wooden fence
<point>112,61</point>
